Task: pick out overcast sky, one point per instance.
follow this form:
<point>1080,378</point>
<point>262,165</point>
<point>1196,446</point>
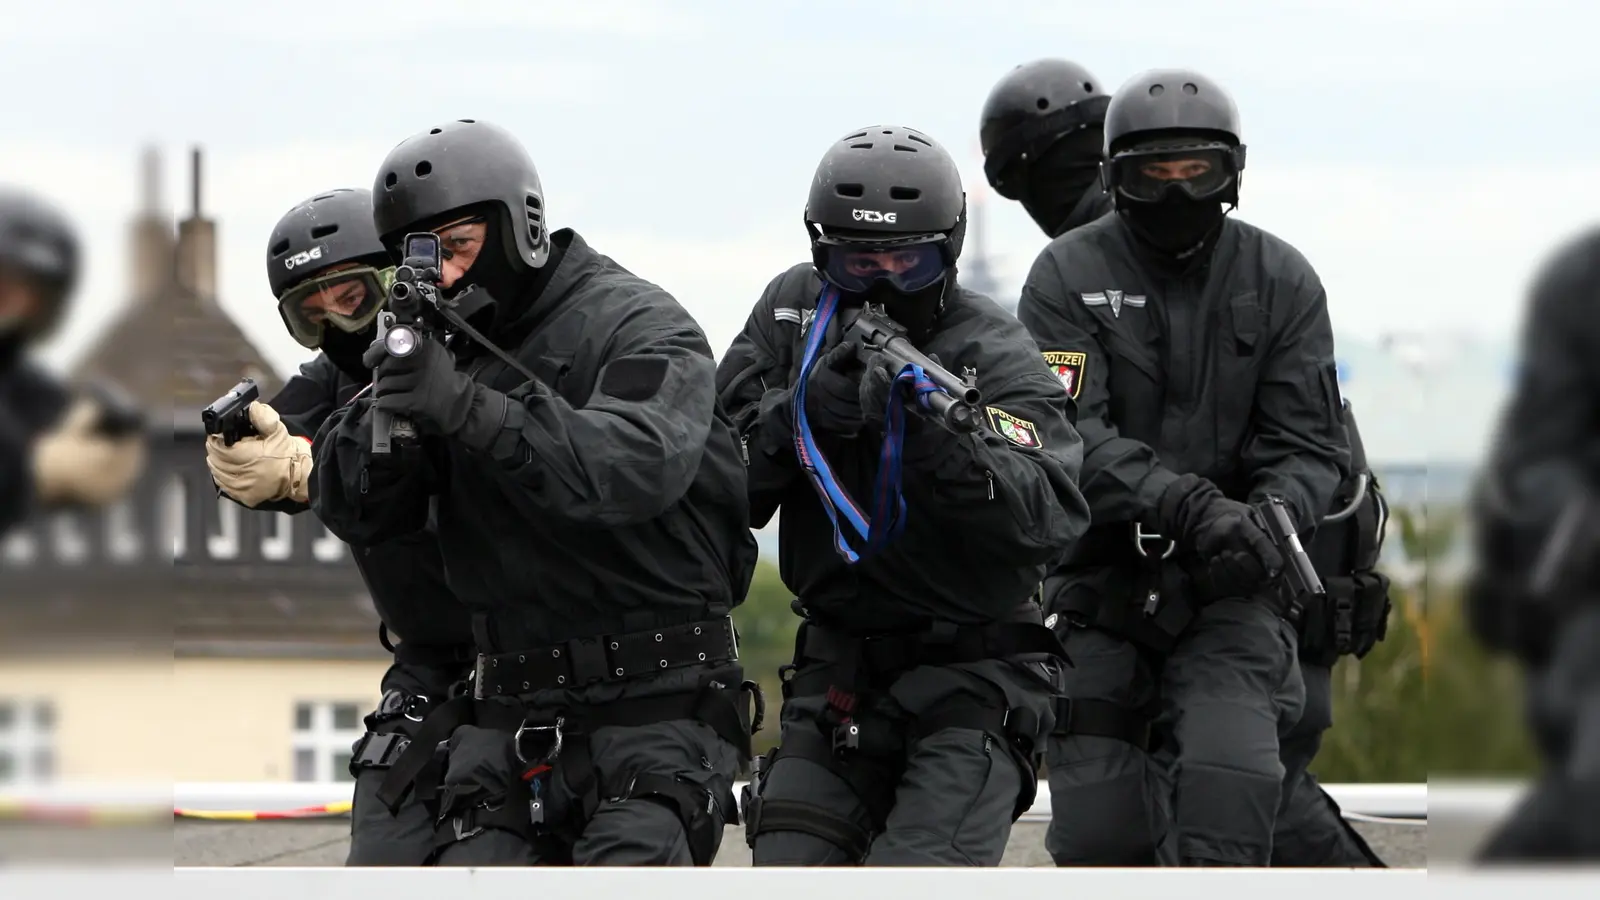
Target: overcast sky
<point>1424,154</point>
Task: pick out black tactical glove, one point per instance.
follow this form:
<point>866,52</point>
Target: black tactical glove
<point>423,387</point>
<point>1236,555</point>
<point>876,382</point>
<point>834,390</point>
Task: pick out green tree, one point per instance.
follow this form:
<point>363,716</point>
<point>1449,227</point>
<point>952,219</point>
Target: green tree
<point>767,627</point>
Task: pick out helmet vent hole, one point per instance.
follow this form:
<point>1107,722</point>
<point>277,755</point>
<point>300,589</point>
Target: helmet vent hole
<point>904,193</point>
<point>1157,90</point>
<point>468,121</point>
<point>913,136</point>
<point>849,190</point>
<point>1088,88</point>
<point>322,231</point>
<point>859,134</point>
<point>424,169</point>
<point>1042,103</point>
<point>390,180</point>
<point>865,145</point>
<point>1190,89</point>
<point>534,204</point>
<point>904,149</point>
<point>436,131</point>
<point>281,247</point>
<point>535,234</point>
<point>323,197</point>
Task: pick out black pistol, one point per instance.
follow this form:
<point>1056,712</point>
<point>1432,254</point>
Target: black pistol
<point>956,407</point>
<point>229,415</point>
<point>1303,579</point>
<point>119,416</point>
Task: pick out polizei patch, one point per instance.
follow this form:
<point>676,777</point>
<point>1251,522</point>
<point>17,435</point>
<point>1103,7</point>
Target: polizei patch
<point>1069,368</point>
<point>1018,431</point>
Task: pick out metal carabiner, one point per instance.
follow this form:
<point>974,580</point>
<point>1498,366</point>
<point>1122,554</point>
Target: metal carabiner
<point>1139,537</point>
<point>1362,483</point>
<point>555,745</point>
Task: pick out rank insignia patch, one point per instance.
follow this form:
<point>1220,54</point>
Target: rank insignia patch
<point>1069,368</point>
<point>1018,431</point>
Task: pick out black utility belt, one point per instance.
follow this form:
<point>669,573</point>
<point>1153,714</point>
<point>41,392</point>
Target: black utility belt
<point>615,657</point>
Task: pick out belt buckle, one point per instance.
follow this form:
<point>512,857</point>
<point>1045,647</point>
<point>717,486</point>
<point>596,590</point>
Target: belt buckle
<point>554,746</point>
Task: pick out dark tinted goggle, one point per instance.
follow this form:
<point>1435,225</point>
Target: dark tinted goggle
<point>908,268</point>
<point>1201,173</point>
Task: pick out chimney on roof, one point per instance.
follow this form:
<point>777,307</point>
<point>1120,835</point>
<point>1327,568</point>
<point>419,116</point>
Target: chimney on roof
<point>152,256</point>
<point>197,245</point>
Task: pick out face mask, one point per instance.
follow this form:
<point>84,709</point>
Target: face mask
<point>1056,183</point>
<point>916,311</point>
<point>1176,224</point>
<point>493,271</point>
<point>344,349</point>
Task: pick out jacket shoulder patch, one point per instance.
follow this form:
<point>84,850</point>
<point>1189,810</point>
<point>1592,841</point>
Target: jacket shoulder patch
<point>634,377</point>
<point>1069,368</point>
<point>1018,431</point>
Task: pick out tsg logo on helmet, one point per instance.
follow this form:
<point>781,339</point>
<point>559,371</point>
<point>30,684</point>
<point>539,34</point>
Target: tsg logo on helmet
<point>303,257</point>
<point>872,215</point>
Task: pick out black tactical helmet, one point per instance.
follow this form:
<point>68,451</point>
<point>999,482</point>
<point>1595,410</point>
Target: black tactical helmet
<point>1168,111</point>
<point>37,242</point>
<point>332,229</point>
<point>1035,105</point>
<point>461,164</point>
<point>887,184</point>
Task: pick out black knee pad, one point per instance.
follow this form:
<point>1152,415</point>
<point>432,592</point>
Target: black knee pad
<point>702,810</point>
<point>1111,823</point>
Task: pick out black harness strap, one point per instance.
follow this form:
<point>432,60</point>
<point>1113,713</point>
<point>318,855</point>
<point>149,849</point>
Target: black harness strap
<point>1157,633</point>
<point>439,656</point>
<point>1101,718</point>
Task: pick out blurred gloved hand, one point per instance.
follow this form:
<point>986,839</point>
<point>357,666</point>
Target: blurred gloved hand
<point>273,465</point>
<point>75,464</point>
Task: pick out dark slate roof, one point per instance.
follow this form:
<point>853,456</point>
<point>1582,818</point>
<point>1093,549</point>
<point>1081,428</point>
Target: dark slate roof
<point>175,351</point>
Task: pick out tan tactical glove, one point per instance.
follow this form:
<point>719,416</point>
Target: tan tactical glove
<point>73,464</point>
<point>274,466</point>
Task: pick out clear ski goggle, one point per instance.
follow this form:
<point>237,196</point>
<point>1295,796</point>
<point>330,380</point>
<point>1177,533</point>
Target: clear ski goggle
<point>348,299</point>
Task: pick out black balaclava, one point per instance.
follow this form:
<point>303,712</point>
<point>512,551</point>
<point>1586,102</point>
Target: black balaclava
<point>1176,225</point>
<point>344,349</point>
<point>1056,182</point>
<point>916,311</point>
<point>506,284</point>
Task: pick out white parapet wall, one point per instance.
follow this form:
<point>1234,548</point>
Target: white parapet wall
<point>1477,800</point>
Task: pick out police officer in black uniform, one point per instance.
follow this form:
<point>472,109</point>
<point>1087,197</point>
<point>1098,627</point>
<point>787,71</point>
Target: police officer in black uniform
<point>1043,136</point>
<point>58,445</point>
<point>1199,351</point>
<point>589,502</point>
<point>1534,592</point>
<point>922,679</point>
<point>331,275</point>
